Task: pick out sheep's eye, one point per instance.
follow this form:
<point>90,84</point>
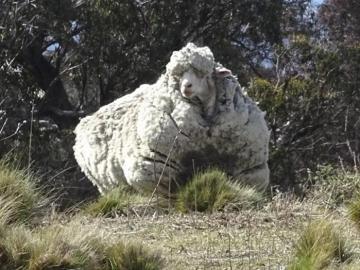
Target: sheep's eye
<point>198,73</point>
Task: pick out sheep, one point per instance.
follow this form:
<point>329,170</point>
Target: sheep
<point>195,115</point>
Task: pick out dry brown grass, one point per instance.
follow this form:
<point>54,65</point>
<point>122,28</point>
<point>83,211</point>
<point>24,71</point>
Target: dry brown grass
<point>246,239</point>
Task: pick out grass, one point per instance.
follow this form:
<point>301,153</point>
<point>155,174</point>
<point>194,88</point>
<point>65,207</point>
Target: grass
<point>354,211</point>
<point>334,186</point>
<point>211,191</point>
<point>71,246</point>
<point>8,208</point>
<point>249,238</point>
<point>116,201</point>
<point>17,187</point>
<point>229,234</point>
<point>318,246</point>
<point>132,257</point>
<point>58,246</point>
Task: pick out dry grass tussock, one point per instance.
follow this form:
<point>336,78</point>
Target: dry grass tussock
<point>211,190</point>
<point>17,188</point>
<point>117,201</point>
<point>71,246</point>
<point>354,211</point>
<point>318,246</point>
<point>333,186</point>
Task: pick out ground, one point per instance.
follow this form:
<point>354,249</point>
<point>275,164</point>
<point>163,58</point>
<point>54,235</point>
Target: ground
<point>261,238</point>
<point>251,230</point>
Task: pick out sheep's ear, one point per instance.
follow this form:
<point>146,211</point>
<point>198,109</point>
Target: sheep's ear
<point>222,72</point>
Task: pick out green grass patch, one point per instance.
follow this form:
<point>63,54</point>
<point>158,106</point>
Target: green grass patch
<point>17,187</point>
<point>8,207</point>
<point>212,190</point>
<point>131,257</point>
<point>116,201</point>
<point>317,247</point>
<point>71,247</point>
<point>354,211</point>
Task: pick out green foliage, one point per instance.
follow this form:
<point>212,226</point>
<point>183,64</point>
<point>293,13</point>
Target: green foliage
<point>115,201</point>
<point>312,105</point>
<point>318,245</point>
<point>280,98</point>
<point>212,190</point>
<point>266,92</point>
<point>17,188</point>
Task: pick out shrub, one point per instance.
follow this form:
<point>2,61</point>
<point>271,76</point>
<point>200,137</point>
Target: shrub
<point>317,247</point>
<point>212,190</point>
<point>116,201</point>
<point>17,187</point>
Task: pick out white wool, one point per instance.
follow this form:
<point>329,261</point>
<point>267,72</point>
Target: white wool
<point>199,58</point>
<point>134,137</point>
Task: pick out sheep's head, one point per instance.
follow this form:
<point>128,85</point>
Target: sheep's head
<point>191,56</point>
<point>196,84</point>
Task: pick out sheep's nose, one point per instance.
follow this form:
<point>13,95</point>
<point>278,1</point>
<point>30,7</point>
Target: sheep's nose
<point>186,89</point>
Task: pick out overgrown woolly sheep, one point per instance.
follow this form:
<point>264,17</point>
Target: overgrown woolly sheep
<point>194,116</point>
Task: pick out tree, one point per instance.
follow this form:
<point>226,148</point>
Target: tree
<point>98,50</point>
<point>342,20</point>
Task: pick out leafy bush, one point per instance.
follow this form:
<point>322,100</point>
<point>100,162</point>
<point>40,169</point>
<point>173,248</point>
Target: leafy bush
<point>317,247</point>
<point>212,190</point>
<point>116,201</point>
<point>312,108</point>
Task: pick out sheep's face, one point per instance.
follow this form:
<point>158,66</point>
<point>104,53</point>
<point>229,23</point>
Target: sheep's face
<point>194,84</point>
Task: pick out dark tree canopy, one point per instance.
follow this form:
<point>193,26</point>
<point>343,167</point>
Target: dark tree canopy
<point>107,48</point>
<point>342,20</point>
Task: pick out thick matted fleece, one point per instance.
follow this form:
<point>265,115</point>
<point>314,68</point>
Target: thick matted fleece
<point>154,137</point>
